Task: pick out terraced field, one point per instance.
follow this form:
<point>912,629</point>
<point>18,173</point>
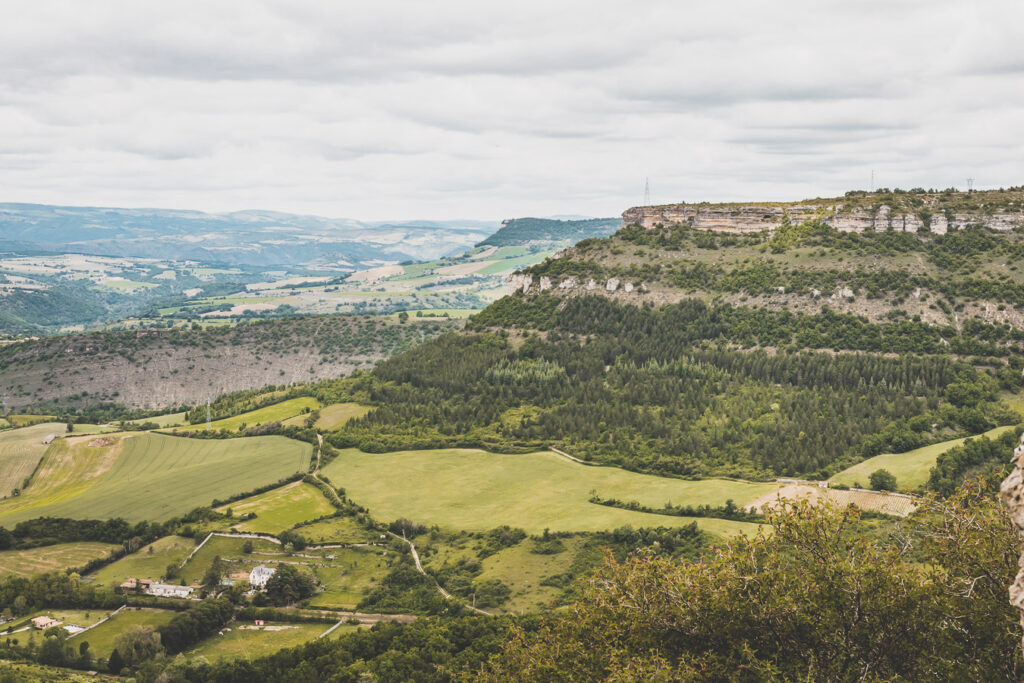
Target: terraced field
<point>20,452</point>
<point>51,558</point>
<point>150,476</point>
<point>474,490</point>
<point>911,469</point>
<point>281,508</point>
<point>273,413</point>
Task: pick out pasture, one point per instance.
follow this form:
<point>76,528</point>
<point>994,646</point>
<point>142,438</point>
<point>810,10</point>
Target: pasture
<point>230,549</point>
<point>342,529</point>
<point>272,413</point>
<point>475,490</point>
<point>20,452</point>
<point>280,508</point>
<point>351,575</point>
<point>246,641</point>
<point>166,420</point>
<point>101,638</point>
<point>144,564</point>
<point>148,476</point>
<point>51,558</point>
<point>911,469</point>
<point>337,414</point>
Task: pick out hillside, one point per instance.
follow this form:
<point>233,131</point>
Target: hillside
<point>521,231</point>
<point>156,368</point>
<point>793,352</point>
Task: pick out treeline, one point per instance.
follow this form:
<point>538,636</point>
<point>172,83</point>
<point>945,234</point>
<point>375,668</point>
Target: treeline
<point>954,465</point>
<point>667,390</point>
<point>728,511</point>
<point>195,624</point>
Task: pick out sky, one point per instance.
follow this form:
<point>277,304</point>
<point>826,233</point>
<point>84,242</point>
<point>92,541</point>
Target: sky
<point>404,110</point>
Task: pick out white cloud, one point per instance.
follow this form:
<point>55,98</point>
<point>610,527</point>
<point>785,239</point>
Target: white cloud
<point>458,109</point>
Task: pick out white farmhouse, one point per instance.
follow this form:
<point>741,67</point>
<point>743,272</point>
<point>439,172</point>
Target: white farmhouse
<point>259,576</point>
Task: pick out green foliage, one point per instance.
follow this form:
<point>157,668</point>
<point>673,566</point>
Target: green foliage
<point>883,480</point>
<point>952,466</point>
<point>289,585</point>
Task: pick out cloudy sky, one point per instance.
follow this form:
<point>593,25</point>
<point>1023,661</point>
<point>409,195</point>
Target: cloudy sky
<point>387,110</point>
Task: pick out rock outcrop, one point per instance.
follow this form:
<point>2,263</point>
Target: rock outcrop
<point>736,218</point>
<point>1012,494</point>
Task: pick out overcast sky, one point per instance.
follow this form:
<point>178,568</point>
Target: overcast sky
<point>437,109</point>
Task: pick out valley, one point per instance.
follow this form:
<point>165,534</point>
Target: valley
<point>677,398</point>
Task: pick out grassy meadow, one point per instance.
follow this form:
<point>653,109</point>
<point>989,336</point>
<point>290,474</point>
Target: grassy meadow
<point>20,452</point>
<point>911,469</point>
<point>51,558</point>
<point>342,529</point>
<point>335,415</point>
<point>101,638</point>
<point>351,575</point>
<point>272,413</point>
<point>146,476</point>
<point>230,549</point>
<point>475,490</point>
<point>281,508</point>
<point>144,564</point>
<point>245,641</point>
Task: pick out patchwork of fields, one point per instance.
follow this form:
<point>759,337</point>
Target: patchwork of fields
<point>20,451</point>
<point>272,413</point>
<point>475,490</point>
<point>280,508</point>
<point>150,476</point>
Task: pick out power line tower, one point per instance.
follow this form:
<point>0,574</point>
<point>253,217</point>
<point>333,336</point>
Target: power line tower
<point>647,192</point>
<point>970,184</point>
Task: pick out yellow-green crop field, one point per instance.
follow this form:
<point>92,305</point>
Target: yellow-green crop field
<point>147,476</point>
<point>281,508</point>
<point>911,469</point>
<point>273,413</point>
<point>51,558</point>
<point>20,451</point>
<point>475,490</point>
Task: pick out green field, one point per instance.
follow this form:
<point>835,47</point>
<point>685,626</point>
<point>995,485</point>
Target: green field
<point>230,549</point>
<point>911,469</point>
<point>474,490</point>
<point>144,564</point>
<point>20,452</point>
<point>28,420</point>
<point>101,638</point>
<point>335,415</point>
<point>150,476</point>
<point>351,576</point>
<point>51,558</point>
<point>75,617</point>
<point>273,413</point>
<point>338,530</point>
<point>251,641</point>
<point>281,508</point>
<point>168,420</point>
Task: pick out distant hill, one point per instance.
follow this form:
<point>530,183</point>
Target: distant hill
<point>259,238</point>
<point>519,231</point>
<point>156,368</point>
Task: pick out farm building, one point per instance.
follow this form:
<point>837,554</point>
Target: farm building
<point>259,576</point>
<point>166,590</point>
<point>43,623</point>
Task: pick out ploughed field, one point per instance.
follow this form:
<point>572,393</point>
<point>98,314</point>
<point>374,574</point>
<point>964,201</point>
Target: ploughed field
<point>475,490</point>
<point>146,476</point>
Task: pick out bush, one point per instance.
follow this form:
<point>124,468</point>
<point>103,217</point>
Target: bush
<point>883,480</point>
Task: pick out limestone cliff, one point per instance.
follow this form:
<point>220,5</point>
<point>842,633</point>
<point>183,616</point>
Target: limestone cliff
<point>857,212</point>
<point>1012,494</point>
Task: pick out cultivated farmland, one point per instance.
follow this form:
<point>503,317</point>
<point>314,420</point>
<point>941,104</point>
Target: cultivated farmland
<point>150,476</point>
<point>51,558</point>
<point>20,452</point>
<point>281,508</point>
<point>273,413</point>
<point>474,490</point>
<point>911,469</point>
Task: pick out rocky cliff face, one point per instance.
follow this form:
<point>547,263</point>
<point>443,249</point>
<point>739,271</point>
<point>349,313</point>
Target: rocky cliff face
<point>1012,494</point>
<point>755,218</point>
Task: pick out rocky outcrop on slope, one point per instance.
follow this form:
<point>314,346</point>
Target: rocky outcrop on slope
<point>1012,494</point>
<point>736,218</point>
